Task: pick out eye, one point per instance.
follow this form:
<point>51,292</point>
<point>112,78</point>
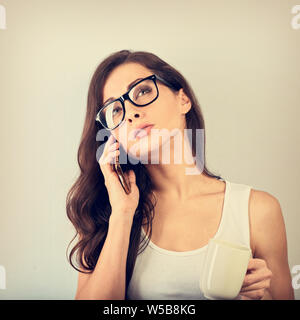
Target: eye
<point>144,90</point>
<point>116,109</point>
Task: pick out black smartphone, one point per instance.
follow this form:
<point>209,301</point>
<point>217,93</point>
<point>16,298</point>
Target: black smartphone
<point>122,178</point>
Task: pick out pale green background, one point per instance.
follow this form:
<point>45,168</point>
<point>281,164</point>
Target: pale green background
<point>241,57</point>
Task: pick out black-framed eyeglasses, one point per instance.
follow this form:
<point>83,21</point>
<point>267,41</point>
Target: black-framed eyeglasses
<point>141,94</point>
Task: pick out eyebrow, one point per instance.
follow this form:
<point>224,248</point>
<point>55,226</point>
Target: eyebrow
<point>128,88</point>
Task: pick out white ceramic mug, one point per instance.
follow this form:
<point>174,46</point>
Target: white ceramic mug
<point>224,269</point>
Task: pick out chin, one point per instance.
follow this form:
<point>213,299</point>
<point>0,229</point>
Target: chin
<point>150,148</point>
<point>143,151</point>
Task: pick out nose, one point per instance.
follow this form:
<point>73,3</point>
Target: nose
<point>132,112</point>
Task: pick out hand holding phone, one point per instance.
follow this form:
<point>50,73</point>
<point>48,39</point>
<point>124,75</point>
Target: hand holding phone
<point>122,178</point>
<point>121,186</point>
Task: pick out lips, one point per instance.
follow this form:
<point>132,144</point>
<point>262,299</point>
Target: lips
<point>139,133</point>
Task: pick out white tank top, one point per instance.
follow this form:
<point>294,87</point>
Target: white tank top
<point>161,274</point>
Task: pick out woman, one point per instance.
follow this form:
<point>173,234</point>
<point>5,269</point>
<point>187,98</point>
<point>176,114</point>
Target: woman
<point>174,211</point>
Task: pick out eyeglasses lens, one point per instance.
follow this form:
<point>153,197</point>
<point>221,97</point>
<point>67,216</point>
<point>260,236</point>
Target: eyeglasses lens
<point>141,94</point>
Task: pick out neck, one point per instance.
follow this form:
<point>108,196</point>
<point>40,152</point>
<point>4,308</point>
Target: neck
<point>177,180</point>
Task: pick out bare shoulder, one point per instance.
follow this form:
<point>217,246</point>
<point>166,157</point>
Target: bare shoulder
<point>265,217</point>
<point>262,202</point>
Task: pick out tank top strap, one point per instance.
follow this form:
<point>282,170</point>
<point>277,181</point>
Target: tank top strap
<point>236,226</point>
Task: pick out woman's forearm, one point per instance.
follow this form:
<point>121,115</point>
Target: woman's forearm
<point>108,279</point>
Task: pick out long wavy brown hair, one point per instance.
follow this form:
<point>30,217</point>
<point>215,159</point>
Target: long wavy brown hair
<point>87,202</point>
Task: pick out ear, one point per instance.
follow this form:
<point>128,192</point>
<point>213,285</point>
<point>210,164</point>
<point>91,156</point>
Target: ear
<point>185,102</point>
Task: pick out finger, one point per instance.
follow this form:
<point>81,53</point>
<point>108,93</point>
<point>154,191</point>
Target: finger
<point>107,145</point>
<point>242,297</point>
<point>114,146</point>
<point>110,141</point>
<point>255,264</point>
<point>254,295</point>
<point>257,286</point>
<point>106,163</point>
<point>110,159</point>
<point>256,277</point>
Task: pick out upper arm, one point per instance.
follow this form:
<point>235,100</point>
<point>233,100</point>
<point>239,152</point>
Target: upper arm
<point>270,243</point>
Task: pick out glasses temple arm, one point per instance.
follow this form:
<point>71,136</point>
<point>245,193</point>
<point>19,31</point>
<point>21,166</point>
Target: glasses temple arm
<point>164,81</point>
